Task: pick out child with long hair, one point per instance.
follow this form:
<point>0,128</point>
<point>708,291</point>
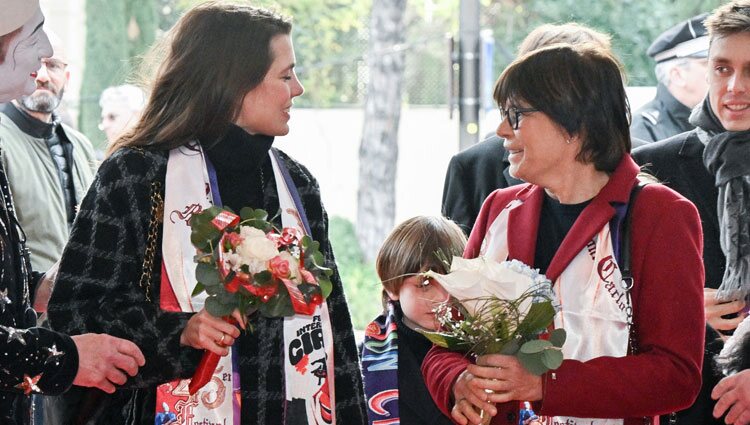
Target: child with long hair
<point>394,349</point>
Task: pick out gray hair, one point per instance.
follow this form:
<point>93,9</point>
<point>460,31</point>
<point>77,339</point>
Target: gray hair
<point>662,69</point>
<point>128,95</point>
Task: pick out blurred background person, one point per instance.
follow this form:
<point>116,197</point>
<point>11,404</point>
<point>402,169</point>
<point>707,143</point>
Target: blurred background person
<point>37,360</point>
<point>49,165</point>
<point>709,166</point>
<point>565,121</point>
<point>681,66</point>
<point>121,108</point>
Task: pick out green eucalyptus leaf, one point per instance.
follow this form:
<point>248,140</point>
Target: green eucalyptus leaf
<point>260,214</point>
<point>535,346</point>
<point>199,288</point>
<point>207,274</point>
<point>277,306</point>
<point>318,259</point>
<point>532,362</point>
<point>552,358</point>
<point>216,308</point>
<point>557,337</point>
<point>247,213</point>
<point>228,299</point>
<point>326,287</point>
<point>511,348</point>
<point>540,316</point>
<point>215,290</point>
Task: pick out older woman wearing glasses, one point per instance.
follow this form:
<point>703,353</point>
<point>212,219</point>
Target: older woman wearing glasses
<point>632,352</point>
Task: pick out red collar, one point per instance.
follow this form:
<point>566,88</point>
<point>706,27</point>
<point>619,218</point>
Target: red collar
<point>522,243</point>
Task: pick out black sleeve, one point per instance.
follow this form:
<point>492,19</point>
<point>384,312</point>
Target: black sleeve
<point>457,203</point>
<point>640,130</point>
<point>46,361</point>
<point>98,288</point>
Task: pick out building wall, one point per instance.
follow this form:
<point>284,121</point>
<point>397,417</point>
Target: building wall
<point>67,19</point>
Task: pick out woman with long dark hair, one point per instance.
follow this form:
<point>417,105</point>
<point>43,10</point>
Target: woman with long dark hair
<point>223,91</point>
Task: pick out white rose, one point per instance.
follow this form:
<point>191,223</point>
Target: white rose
<point>255,247</point>
<point>479,277</point>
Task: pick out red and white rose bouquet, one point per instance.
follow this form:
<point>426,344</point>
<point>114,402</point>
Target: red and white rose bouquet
<point>245,263</point>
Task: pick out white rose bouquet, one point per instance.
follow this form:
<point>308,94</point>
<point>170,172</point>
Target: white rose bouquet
<point>499,308</point>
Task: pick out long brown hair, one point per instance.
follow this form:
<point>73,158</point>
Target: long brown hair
<point>215,54</point>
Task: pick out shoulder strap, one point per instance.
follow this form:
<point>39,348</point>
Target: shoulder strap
<point>625,269</point>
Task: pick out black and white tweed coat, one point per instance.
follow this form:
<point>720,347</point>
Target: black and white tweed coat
<point>98,291</point>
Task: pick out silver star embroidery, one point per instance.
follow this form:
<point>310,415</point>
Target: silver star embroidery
<point>53,353</point>
<point>14,333</point>
<point>4,300</point>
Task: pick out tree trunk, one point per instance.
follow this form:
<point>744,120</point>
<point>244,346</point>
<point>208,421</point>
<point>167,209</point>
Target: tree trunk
<point>378,151</point>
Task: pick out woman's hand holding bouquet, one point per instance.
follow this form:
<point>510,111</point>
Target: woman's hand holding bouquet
<point>499,313</point>
<point>246,265</point>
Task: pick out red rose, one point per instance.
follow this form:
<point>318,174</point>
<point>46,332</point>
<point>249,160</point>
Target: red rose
<point>279,267</point>
<point>289,236</point>
<point>234,239</point>
<point>275,238</point>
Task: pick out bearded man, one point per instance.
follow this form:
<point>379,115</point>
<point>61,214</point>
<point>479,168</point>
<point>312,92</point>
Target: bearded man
<point>49,165</point>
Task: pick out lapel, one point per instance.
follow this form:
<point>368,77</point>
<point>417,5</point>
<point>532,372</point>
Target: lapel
<point>523,224</point>
<point>598,213</point>
<point>698,182</point>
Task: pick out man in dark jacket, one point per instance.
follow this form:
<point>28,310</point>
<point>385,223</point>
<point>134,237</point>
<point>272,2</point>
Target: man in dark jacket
<point>708,165</point>
<point>38,360</point>
<point>472,175</point>
<point>680,53</point>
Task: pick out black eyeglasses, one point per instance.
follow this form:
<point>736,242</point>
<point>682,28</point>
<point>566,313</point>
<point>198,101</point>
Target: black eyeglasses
<point>513,115</point>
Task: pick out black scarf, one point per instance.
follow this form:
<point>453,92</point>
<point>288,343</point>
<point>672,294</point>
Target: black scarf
<point>727,157</point>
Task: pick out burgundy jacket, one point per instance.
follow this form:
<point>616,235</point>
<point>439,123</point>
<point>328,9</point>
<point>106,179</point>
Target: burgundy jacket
<point>667,266</point>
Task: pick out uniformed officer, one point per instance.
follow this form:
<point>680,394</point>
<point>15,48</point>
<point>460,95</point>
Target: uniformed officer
<point>681,65</point>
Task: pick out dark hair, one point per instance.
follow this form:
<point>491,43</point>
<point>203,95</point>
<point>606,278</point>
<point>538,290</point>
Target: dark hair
<point>216,53</point>
<point>729,19</point>
<point>413,247</point>
<point>571,33</point>
<point>5,40</point>
<point>579,87</point>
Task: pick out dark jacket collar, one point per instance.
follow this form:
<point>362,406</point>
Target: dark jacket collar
<point>691,146</point>
<point>28,124</point>
<point>676,108</point>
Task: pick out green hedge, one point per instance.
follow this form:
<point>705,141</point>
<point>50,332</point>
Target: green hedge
<point>361,283</point>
